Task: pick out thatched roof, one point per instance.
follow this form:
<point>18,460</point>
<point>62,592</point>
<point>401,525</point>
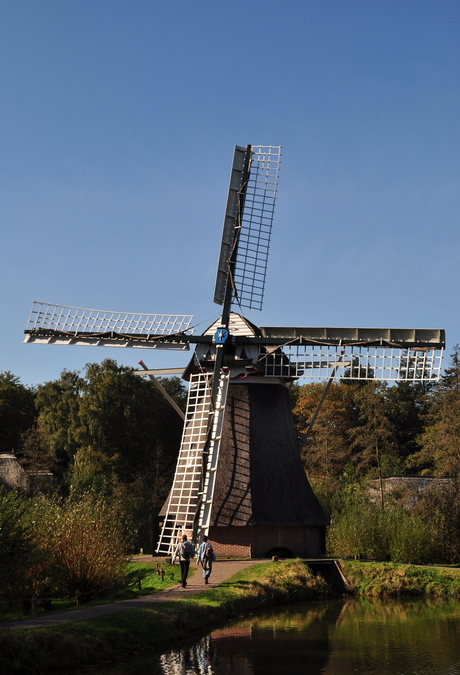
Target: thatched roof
<point>12,475</point>
<point>260,477</point>
<point>409,487</point>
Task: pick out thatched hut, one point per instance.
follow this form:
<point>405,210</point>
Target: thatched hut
<point>12,475</point>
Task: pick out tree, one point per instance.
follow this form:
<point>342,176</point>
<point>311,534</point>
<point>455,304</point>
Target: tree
<point>326,452</point>
<point>110,411</point>
<point>58,424</point>
<point>373,441</point>
<point>84,541</point>
<point>407,407</point>
<point>450,380</point>
<point>110,430</point>
<point>440,441</point>
<point>125,417</point>
<point>17,411</point>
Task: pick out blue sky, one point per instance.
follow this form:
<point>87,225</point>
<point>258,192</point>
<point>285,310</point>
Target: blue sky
<point>117,126</point>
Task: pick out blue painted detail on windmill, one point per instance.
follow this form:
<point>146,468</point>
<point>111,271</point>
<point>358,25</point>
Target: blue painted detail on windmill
<point>220,336</point>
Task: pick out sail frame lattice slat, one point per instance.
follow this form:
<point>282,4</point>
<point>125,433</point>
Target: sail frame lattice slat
<point>204,519</point>
<point>256,225</point>
<point>183,499</point>
<point>77,320</point>
<point>419,364</point>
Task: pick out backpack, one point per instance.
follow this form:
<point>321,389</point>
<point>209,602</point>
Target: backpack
<point>185,550</point>
<point>209,553</point>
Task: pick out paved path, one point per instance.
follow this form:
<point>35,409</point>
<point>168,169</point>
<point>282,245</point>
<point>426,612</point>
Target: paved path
<point>222,570</point>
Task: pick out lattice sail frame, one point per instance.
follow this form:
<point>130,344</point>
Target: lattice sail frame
<point>46,316</point>
<point>183,498</point>
<point>386,363</point>
<point>245,243</point>
<point>256,226</point>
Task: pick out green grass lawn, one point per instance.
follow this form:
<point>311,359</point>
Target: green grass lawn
<point>386,579</point>
<point>141,578</point>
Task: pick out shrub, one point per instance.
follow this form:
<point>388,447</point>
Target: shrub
<point>358,526</point>
<point>409,538</point>
<point>439,507</point>
<point>18,555</point>
<point>84,540</point>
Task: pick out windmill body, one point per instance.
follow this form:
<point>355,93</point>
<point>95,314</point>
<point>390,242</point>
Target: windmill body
<point>239,477</point>
<point>255,499</point>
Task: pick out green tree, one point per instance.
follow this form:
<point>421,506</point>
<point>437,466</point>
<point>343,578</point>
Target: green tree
<point>407,407</point>
<point>450,380</point>
<point>440,440</point>
<point>113,431</point>
<point>17,411</point>
<point>439,508</point>
<point>125,417</point>
<point>373,440</point>
<point>326,453</point>
<point>108,411</point>
<point>59,427</point>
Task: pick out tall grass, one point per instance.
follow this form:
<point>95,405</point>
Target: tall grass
<point>360,527</point>
<point>52,548</point>
<point>83,540</point>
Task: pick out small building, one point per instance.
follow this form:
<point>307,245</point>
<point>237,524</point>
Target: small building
<point>405,487</point>
<point>12,475</point>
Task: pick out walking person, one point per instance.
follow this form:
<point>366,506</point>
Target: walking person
<point>205,557</point>
<point>184,552</point>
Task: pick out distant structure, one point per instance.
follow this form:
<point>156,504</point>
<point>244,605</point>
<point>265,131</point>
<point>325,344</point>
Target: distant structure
<point>12,475</point>
<point>239,477</point>
<point>406,487</point>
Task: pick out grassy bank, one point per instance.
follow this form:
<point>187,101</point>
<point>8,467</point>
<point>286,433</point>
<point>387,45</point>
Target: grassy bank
<point>104,639</point>
<point>389,580</point>
<point>141,578</point>
<point>159,626</point>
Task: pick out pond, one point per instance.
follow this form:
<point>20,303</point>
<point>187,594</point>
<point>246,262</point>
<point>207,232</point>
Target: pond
<point>342,637</point>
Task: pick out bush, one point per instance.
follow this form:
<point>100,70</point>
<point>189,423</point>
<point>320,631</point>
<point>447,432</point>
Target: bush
<point>439,507</point>
<point>18,555</point>
<point>358,526</point>
<point>409,538</point>
<point>85,542</point>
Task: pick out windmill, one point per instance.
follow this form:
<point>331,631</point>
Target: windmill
<point>239,476</point>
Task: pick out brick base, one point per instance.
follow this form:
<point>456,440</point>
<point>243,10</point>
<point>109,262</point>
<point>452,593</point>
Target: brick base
<point>259,541</point>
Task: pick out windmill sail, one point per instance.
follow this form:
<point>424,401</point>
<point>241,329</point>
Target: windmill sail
<point>247,225</point>
<point>211,459</point>
<point>400,354</point>
<point>193,484</point>
<point>60,324</point>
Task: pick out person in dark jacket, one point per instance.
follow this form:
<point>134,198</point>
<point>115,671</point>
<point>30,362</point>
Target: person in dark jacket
<point>184,551</point>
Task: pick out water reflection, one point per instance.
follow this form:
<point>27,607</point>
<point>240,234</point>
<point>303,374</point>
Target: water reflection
<point>345,637</point>
<point>195,659</point>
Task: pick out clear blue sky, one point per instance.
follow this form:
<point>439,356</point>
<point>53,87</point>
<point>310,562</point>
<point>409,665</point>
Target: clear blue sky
<point>117,126</point>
